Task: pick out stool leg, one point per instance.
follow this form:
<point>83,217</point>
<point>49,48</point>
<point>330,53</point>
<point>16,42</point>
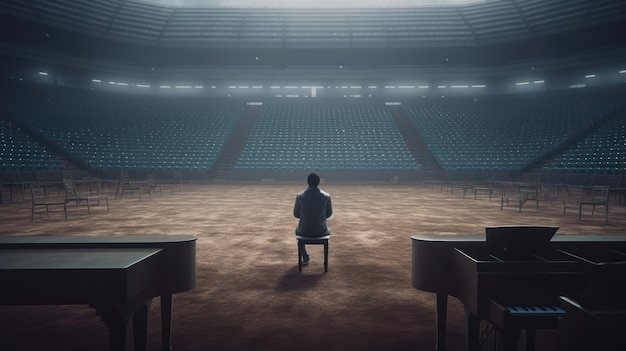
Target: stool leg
<point>326,257</point>
<point>299,256</point>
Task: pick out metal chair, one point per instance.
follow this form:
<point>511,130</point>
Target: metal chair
<point>153,185</point>
<point>125,184</point>
<point>524,194</point>
<point>39,200</point>
<point>304,240</point>
<point>599,197</point>
<point>72,195</point>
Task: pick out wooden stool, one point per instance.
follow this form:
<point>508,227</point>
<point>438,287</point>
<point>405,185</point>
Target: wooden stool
<point>304,240</point>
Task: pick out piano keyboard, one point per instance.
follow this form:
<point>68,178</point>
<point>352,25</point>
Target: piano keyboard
<point>534,310</point>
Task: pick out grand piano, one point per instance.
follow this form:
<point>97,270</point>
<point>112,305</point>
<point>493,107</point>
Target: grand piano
<point>117,275</point>
<point>515,277</point>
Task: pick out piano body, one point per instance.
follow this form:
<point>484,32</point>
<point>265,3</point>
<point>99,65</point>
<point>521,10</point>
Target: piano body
<point>514,284</point>
<point>117,275</point>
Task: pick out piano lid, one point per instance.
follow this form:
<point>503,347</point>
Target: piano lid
<point>518,238</point>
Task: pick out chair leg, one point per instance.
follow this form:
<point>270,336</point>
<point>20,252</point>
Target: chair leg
<point>326,256</point>
<point>580,212</point>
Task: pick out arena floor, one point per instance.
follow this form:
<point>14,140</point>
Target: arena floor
<point>250,295</point>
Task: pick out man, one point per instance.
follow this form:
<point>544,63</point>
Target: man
<point>312,207</point>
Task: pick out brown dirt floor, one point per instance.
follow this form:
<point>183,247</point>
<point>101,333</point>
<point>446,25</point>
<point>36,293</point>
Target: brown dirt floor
<point>250,295</point>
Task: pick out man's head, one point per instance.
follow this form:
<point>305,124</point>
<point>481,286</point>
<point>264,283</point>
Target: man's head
<point>313,180</point>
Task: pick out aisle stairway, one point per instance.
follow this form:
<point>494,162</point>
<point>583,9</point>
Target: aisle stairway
<point>223,167</point>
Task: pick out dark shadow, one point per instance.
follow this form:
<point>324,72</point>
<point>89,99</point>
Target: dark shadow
<point>294,280</point>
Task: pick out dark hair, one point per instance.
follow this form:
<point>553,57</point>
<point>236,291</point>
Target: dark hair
<point>313,179</point>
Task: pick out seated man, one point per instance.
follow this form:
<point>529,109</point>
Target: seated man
<point>312,207</point>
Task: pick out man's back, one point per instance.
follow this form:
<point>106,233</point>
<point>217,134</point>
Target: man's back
<point>312,207</point>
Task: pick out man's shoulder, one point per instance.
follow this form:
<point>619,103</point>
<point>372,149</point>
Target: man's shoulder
<point>313,192</point>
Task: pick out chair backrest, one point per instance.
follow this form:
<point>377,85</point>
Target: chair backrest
<point>40,176</point>
<point>70,189</point>
<point>123,174</point>
<point>530,191</point>
<point>600,193</point>
<point>16,177</point>
<point>152,179</point>
<point>178,176</point>
<point>37,195</point>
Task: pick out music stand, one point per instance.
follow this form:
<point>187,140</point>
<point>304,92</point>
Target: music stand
<point>518,239</point>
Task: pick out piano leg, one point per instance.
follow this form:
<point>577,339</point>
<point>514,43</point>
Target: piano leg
<point>118,323</point>
<point>531,337</point>
<point>442,316</point>
<point>166,322</point>
<point>141,320</point>
<point>510,339</point>
<point>118,320</point>
<point>472,327</point>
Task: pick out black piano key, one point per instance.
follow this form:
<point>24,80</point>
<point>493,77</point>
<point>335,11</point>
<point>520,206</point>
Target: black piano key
<point>535,309</point>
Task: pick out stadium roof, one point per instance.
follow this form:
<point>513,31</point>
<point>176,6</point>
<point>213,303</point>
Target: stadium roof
<point>476,24</point>
<point>309,3</point>
<point>487,33</point>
